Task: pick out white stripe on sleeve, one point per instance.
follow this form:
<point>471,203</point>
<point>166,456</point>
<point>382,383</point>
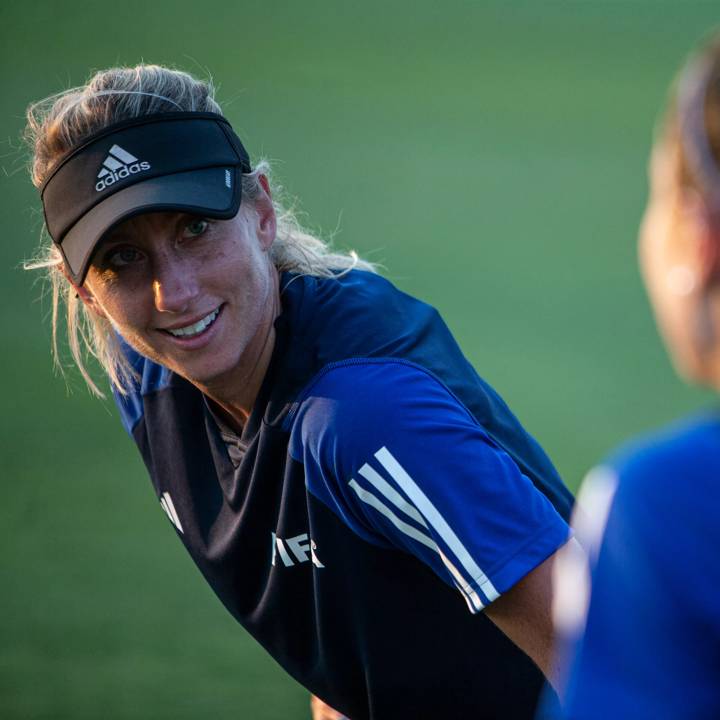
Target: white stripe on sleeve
<point>391,494</point>
<point>431,514</point>
<point>403,527</point>
<point>471,597</point>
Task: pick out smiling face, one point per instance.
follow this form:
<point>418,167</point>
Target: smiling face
<point>196,295</point>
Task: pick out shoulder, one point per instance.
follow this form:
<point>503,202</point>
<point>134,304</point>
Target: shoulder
<point>362,315</point>
<point>346,291</point>
<point>683,455</point>
<point>150,377</point>
<point>652,564</point>
<point>361,288</point>
<point>362,401</point>
<point>359,314</point>
<point>659,511</point>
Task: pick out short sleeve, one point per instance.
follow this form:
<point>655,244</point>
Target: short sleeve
<point>403,462</point>
<point>650,645</point>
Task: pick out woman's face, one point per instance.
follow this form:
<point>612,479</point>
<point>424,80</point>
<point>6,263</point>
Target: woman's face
<point>669,260</point>
<point>195,295</point>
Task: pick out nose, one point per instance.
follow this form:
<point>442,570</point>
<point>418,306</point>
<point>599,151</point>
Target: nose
<point>174,286</point>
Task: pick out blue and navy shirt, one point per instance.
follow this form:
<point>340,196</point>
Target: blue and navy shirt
<point>380,489</point>
<point>651,643</point>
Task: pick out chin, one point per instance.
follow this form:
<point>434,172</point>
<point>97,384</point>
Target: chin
<point>204,376</point>
<point>217,371</point>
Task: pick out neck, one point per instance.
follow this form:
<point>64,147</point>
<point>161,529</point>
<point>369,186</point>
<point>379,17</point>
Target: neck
<point>233,396</point>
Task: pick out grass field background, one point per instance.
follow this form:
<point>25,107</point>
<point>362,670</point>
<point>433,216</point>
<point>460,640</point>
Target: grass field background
<point>490,155</point>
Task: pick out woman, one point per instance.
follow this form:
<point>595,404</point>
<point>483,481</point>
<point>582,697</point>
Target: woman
<point>652,639</point>
<point>343,479</point>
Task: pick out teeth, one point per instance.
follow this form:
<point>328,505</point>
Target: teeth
<point>197,327</point>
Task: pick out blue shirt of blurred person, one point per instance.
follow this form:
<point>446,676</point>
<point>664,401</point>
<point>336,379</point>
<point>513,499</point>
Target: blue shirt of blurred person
<point>651,642</point>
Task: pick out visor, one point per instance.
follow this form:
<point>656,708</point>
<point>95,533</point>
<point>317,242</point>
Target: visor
<point>181,162</point>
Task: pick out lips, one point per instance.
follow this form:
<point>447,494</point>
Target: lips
<point>193,329</point>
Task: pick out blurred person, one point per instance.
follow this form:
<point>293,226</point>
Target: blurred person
<point>640,633</point>
<point>359,499</point>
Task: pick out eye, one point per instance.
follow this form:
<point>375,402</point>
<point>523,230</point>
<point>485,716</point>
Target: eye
<point>195,227</point>
<point>123,256</point>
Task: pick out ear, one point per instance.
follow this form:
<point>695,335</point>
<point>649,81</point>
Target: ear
<point>267,221</point>
<point>84,294</point>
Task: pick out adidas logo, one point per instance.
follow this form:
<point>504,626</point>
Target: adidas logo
<point>167,505</point>
<point>118,165</point>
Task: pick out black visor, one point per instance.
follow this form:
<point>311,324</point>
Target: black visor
<point>183,162</point>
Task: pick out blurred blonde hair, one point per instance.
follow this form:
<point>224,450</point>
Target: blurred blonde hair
<point>668,130</point>
<point>61,122</point>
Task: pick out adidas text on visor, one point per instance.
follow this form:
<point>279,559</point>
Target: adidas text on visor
<point>181,161</point>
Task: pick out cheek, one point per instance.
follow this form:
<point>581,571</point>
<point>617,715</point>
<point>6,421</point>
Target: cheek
<point>661,262</point>
<point>123,307</point>
<point>246,268</point>
<point>668,282</point>
<point>652,246</point>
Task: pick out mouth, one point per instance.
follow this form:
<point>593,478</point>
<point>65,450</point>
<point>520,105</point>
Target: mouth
<point>197,328</point>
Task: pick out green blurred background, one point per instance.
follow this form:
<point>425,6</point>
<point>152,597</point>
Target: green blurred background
<point>490,155</point>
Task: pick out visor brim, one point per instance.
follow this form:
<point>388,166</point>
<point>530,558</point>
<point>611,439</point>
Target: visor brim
<point>210,192</point>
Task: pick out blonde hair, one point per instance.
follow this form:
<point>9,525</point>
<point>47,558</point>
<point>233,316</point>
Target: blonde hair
<point>668,129</point>
<point>61,122</point>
